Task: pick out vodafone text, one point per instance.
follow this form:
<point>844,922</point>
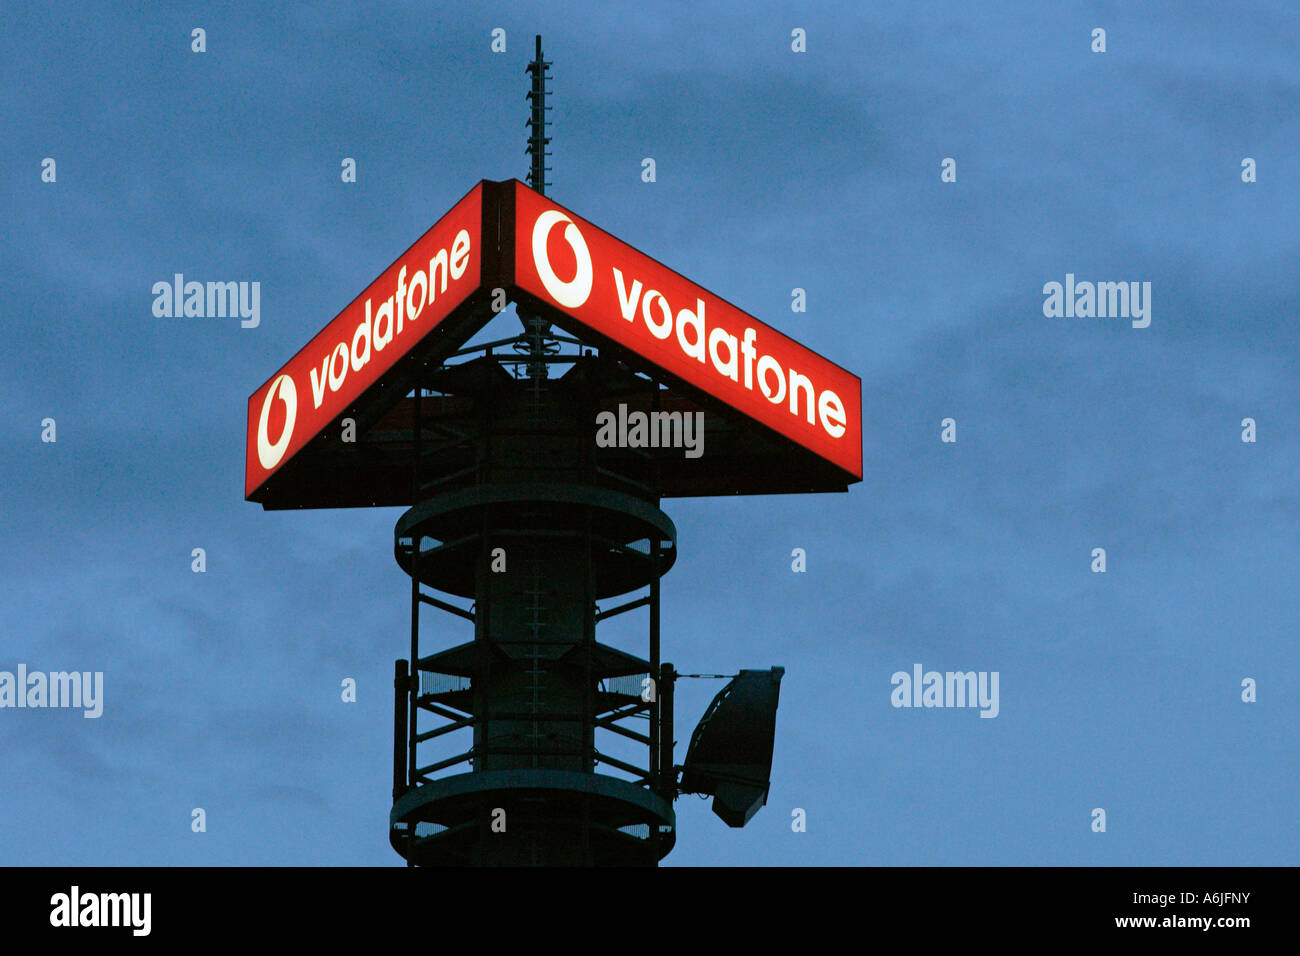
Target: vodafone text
<point>393,319</point>
<point>690,327</point>
<point>392,312</point>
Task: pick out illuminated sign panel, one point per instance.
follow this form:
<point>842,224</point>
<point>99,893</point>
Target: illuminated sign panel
<point>365,340</point>
<point>686,330</point>
<point>506,235</point>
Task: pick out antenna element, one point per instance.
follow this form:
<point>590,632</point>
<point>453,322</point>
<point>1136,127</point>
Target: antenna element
<point>538,123</point>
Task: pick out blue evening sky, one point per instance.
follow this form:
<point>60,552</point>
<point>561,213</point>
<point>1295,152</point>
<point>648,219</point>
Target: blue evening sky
<point>775,170</point>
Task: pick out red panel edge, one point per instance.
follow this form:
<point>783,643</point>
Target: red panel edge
<point>851,465</point>
<point>483,262</point>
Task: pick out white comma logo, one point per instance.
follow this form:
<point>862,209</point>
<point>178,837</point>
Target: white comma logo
<point>569,294</point>
<point>268,454</point>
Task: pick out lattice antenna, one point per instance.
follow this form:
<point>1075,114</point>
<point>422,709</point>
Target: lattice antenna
<point>538,345</point>
<point>538,123</point>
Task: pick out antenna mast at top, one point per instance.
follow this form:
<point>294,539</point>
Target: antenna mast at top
<point>537,345</point>
<point>538,123</point>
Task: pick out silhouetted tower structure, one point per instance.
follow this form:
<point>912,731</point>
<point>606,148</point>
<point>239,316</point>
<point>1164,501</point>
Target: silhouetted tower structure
<point>536,532</point>
<point>530,742</point>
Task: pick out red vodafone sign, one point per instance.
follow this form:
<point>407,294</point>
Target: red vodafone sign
<point>686,330</point>
<point>503,235</point>
<point>383,323</point>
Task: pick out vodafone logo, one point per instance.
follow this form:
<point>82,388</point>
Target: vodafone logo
<point>359,347</point>
<point>576,291</point>
<point>267,453</point>
<point>642,305</point>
